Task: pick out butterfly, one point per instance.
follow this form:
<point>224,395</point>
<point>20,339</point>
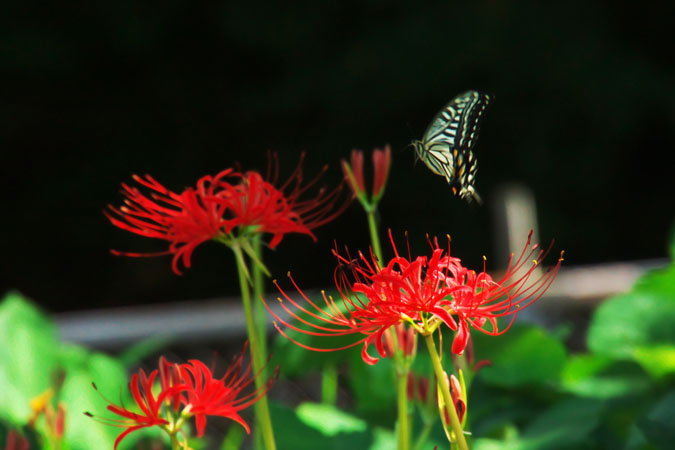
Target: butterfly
<point>447,144</point>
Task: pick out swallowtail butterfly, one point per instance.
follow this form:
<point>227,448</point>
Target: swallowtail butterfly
<point>446,147</point>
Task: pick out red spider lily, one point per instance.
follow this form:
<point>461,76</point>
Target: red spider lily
<point>208,396</point>
<point>169,376</point>
<point>256,202</point>
<point>218,205</point>
<point>478,299</point>
<point>150,406</point>
<point>399,292</point>
<point>406,340</point>
<point>354,173</point>
<point>184,220</point>
<point>417,290</point>
<point>192,385</point>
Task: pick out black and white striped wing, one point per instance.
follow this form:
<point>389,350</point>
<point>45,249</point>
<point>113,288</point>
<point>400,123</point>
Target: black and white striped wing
<point>447,143</point>
<point>458,124</point>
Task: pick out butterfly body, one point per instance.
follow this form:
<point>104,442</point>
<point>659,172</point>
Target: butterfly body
<point>447,145</point>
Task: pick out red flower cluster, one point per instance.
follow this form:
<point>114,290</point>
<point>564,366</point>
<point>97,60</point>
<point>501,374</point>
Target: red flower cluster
<point>419,292</point>
<point>191,385</point>
<point>218,205</point>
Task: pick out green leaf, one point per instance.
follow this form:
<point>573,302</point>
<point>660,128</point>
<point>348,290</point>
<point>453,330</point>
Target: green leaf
<point>374,389</point>
<point>234,438</point>
<point>28,348</point>
<point>142,349</point>
<point>329,420</point>
<point>566,424</point>
<point>383,439</point>
<point>601,377</point>
<point>82,432</point>
<point>634,320</point>
<point>580,367</point>
<point>657,281</point>
<point>658,360</point>
<point>525,354</point>
<point>292,433</point>
<point>295,361</point>
<point>657,425</point>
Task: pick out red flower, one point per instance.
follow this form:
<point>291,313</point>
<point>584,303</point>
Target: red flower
<point>184,220</point>
<point>191,385</point>
<point>169,376</point>
<point>477,299</point>
<point>417,291</point>
<point>141,390</point>
<point>258,203</point>
<point>354,173</point>
<point>220,204</point>
<point>376,300</point>
<point>208,396</point>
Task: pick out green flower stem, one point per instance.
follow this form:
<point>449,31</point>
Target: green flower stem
<point>445,392</point>
<point>374,235</point>
<point>402,397</point>
<point>175,444</point>
<point>329,384</point>
<point>424,435</point>
<point>262,413</point>
<point>401,368</point>
<point>259,312</point>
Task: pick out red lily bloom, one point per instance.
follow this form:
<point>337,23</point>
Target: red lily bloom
<point>169,376</point>
<point>184,220</point>
<point>416,290</point>
<point>379,298</point>
<point>257,202</point>
<point>191,385</point>
<point>218,205</point>
<point>141,390</point>
<point>208,396</point>
<point>354,173</point>
<point>478,299</point>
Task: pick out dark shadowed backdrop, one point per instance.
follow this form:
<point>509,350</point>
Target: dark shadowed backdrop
<point>93,92</point>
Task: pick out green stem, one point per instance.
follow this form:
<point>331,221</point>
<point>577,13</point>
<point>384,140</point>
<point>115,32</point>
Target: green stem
<point>175,444</point>
<point>259,312</point>
<point>402,394</point>
<point>424,435</point>
<point>401,369</point>
<point>262,413</point>
<point>329,384</point>
<point>444,386</point>
<point>374,235</point>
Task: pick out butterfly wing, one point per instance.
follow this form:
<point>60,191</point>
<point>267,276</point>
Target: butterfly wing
<point>446,147</point>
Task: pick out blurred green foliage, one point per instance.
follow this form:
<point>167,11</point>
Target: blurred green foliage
<point>32,356</point>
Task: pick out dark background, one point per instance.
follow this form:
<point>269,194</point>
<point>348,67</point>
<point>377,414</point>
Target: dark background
<point>93,92</point>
